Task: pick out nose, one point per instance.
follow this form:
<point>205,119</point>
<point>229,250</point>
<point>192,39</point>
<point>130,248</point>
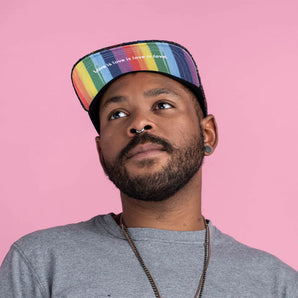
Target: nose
<point>139,124</point>
<point>146,127</point>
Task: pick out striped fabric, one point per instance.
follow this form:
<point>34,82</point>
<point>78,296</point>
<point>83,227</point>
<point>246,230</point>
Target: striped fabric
<point>91,73</point>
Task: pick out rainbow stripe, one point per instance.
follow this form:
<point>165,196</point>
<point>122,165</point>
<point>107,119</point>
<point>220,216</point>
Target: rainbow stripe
<point>91,73</point>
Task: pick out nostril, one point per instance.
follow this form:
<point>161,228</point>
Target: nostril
<point>147,127</point>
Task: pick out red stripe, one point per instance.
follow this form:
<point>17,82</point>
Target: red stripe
<point>130,52</point>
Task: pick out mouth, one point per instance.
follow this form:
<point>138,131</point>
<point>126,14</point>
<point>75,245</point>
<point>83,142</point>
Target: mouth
<point>145,150</point>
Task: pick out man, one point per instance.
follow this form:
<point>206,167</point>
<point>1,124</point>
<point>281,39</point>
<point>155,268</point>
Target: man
<point>147,104</point>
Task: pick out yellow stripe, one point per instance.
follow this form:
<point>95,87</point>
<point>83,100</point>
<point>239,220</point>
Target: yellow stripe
<point>149,61</point>
<point>87,81</point>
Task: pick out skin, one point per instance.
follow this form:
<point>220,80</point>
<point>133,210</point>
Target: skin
<point>139,99</point>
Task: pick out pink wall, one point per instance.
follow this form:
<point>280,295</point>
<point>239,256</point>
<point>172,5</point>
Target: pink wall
<point>247,56</point>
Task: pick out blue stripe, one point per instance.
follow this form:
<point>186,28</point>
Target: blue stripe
<point>182,63</point>
<point>109,58</point>
<point>98,63</point>
<point>166,50</point>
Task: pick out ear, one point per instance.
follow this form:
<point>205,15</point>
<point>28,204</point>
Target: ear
<point>209,128</point>
<point>98,146</point>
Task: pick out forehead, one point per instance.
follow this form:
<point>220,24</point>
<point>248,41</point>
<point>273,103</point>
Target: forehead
<point>142,82</point>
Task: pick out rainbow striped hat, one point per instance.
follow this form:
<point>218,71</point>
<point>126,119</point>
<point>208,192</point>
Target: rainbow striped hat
<point>93,73</point>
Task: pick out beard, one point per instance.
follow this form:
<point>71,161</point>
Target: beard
<point>183,164</point>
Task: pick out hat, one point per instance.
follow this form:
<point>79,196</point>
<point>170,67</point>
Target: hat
<point>93,73</point>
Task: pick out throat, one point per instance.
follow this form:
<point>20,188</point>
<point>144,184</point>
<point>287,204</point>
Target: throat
<point>161,222</point>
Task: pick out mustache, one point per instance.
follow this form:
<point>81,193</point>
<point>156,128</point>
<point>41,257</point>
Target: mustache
<point>142,139</point>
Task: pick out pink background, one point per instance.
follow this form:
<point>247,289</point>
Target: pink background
<point>247,56</point>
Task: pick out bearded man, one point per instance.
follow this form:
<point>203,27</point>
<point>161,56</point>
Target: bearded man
<point>148,106</point>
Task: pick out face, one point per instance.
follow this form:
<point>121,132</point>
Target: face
<point>155,164</point>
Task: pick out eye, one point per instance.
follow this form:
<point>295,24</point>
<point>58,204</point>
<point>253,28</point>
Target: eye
<point>117,114</point>
<point>163,105</point>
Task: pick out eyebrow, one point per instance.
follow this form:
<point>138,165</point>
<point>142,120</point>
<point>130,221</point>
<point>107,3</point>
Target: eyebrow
<point>148,93</point>
<point>158,91</point>
<point>114,99</point>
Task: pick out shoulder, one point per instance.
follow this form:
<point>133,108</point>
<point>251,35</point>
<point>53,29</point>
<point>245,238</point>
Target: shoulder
<point>34,259</point>
<point>235,250</point>
<point>252,264</point>
<point>59,238</point>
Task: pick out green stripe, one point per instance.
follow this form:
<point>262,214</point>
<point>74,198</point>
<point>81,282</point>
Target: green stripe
<point>159,61</point>
<point>97,78</point>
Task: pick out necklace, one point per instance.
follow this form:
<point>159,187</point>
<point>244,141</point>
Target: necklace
<point>207,253</point>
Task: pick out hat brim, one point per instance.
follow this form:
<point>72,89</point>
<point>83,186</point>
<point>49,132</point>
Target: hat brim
<point>94,73</point>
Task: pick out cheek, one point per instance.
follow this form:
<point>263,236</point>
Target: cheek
<point>183,126</point>
<point>192,124</point>
<point>109,147</point>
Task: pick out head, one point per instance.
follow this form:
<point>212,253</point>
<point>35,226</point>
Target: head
<point>150,85</point>
<point>158,162</point>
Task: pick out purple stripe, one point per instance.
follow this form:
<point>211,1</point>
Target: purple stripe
<point>193,70</point>
<point>120,54</point>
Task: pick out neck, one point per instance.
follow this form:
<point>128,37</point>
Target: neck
<point>181,212</point>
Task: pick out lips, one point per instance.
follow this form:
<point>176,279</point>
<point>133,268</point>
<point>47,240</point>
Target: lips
<point>144,148</point>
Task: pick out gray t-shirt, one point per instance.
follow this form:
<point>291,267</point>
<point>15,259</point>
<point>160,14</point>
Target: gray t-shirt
<point>93,259</point>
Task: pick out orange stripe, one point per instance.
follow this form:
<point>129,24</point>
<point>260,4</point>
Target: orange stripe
<point>81,90</point>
